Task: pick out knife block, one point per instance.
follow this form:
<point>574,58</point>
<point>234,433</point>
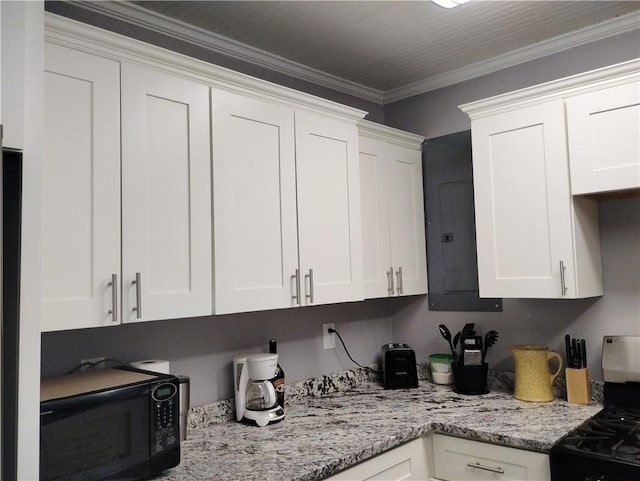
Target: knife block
<point>578,385</point>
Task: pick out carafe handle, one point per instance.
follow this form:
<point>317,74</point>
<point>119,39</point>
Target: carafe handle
<point>271,398</point>
<point>551,354</point>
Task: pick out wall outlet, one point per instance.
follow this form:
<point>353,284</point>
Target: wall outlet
<point>329,338</point>
<point>93,360</point>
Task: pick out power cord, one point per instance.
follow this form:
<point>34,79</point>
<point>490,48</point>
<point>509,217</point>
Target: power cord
<point>331,330</point>
<point>92,366</point>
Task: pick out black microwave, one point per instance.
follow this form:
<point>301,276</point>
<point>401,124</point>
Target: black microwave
<point>120,423</point>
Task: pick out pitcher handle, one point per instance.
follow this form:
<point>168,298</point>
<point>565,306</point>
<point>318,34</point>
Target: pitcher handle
<point>551,354</point>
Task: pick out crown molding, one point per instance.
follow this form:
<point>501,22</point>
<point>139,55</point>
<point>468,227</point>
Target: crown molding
<point>96,41</point>
<point>149,20</point>
<point>135,15</point>
<point>377,131</point>
<point>602,78</point>
<point>617,26</point>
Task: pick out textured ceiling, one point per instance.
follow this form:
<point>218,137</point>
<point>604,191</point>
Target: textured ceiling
<point>386,45</point>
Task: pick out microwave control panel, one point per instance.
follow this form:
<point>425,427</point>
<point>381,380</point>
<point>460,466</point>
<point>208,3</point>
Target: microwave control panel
<point>165,412</point>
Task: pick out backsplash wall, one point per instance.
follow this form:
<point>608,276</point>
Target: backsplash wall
<point>202,348</point>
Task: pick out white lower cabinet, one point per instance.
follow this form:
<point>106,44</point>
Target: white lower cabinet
<point>393,230</point>
<point>406,462</point>
<point>457,459</point>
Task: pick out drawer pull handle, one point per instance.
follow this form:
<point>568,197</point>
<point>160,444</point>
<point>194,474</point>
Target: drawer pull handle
<point>482,467</point>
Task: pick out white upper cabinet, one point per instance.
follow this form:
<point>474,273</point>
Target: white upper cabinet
<point>166,196</point>
<point>328,189</point>
<point>525,222</point>
<point>80,190</point>
<point>280,229</point>
<point>147,191</point>
<point>604,139</point>
<point>285,206</point>
<point>534,238</point>
<point>393,232</point>
<point>254,199</point>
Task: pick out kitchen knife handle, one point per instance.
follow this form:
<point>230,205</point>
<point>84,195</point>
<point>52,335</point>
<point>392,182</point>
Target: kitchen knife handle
<point>138,283</point>
<point>567,346</point>
<point>583,346</point>
<point>482,467</point>
<point>114,297</point>
<point>390,287</point>
<point>563,282</point>
<point>296,296</point>
<point>310,277</point>
<point>399,276</point>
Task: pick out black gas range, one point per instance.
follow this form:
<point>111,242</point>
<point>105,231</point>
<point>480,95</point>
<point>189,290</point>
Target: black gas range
<point>607,446</point>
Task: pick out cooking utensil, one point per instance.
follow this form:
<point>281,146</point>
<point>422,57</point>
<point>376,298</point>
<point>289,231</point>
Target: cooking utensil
<point>472,351</point>
<point>468,331</point>
<point>456,340</point>
<point>583,345</point>
<point>490,338</point>
<point>446,334</point>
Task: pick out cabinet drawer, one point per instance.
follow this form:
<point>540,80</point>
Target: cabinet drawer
<point>458,459</point>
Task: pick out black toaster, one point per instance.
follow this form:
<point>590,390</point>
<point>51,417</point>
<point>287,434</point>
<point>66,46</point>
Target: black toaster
<point>399,366</point>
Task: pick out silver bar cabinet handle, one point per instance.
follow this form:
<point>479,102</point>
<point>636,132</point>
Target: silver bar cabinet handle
<point>390,287</point>
<point>482,467</point>
<point>399,275</point>
<point>296,296</point>
<point>563,282</point>
<point>310,277</point>
<point>114,297</point>
<point>138,285</point>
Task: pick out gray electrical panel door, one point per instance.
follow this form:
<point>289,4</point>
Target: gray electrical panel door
<point>450,224</point>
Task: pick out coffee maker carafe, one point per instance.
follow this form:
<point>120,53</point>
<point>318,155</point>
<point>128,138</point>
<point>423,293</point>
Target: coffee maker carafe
<point>255,395</point>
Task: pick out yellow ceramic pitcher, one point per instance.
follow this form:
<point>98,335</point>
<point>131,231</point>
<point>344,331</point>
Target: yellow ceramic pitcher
<point>533,381</point>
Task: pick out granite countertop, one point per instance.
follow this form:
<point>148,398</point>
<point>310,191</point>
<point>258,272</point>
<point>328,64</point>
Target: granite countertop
<point>324,434</point>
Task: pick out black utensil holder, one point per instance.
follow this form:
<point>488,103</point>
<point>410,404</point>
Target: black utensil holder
<point>470,380</point>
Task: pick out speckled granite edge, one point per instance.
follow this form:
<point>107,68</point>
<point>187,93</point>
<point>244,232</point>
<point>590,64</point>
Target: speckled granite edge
<point>224,410</point>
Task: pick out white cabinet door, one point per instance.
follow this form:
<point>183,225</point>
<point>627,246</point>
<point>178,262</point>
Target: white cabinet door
<point>376,250</point>
<point>329,225</point>
<point>406,220</point>
<point>406,462</point>
<point>166,196</point>
<point>527,243</point>
<point>393,232</point>
<point>604,139</point>
<point>255,227</point>
<point>80,189</point>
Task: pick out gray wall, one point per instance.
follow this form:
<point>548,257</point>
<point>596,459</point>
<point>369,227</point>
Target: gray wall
<point>535,321</point>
